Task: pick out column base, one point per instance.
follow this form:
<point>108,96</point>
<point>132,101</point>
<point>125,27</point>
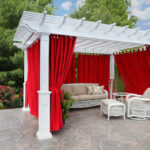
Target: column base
<point>25,109</point>
<point>43,136</point>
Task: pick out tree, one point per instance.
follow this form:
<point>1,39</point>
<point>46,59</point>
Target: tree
<point>108,11</point>
<point>11,58</point>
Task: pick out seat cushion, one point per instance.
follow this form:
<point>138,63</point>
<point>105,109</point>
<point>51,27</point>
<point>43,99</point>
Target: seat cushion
<point>67,88</point>
<point>92,97</point>
<point>147,93</point>
<point>76,98</point>
<point>107,102</point>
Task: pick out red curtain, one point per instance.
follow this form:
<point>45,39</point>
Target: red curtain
<point>93,69</point>
<point>71,76</point>
<point>148,55</point>
<point>133,69</point>
<point>33,78</point>
<point>61,53</point>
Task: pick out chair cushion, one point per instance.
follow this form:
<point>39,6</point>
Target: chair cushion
<point>92,97</point>
<point>67,88</point>
<point>76,98</point>
<point>107,102</point>
<point>147,93</point>
<point>98,89</point>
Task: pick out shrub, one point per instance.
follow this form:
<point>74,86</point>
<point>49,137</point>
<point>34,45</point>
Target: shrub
<point>17,102</point>
<point>66,103</point>
<point>1,104</point>
<point>6,95</point>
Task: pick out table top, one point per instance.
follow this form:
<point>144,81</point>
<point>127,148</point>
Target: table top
<point>120,94</point>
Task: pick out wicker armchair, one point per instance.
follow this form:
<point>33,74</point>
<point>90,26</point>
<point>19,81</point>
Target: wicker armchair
<point>138,106</point>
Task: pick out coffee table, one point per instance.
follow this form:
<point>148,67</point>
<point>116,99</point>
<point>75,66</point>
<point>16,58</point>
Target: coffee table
<point>121,95</point>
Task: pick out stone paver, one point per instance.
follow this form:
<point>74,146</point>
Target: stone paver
<point>86,129</point>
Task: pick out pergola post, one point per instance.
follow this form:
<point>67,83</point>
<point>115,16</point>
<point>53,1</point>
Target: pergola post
<point>25,79</point>
<point>111,75</point>
<point>44,93</point>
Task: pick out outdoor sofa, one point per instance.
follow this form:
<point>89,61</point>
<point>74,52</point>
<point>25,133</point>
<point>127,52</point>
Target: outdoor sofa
<point>81,96</point>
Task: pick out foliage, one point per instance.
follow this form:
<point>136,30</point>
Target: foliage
<point>11,58</point>
<point>6,95</point>
<point>1,104</point>
<point>9,99</point>
<point>17,102</point>
<point>66,103</point>
<point>119,84</point>
<point>107,11</point>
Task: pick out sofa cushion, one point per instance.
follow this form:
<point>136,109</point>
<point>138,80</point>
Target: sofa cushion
<point>67,88</point>
<point>147,93</point>
<point>92,97</point>
<point>79,89</point>
<point>76,98</point>
<point>98,89</point>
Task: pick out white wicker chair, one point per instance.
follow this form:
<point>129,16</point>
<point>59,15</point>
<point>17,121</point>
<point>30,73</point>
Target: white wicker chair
<point>138,107</point>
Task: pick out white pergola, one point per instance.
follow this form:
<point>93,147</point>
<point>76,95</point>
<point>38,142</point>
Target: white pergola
<point>92,37</point>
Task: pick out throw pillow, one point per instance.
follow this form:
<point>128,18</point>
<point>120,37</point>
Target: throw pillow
<point>89,89</point>
<point>98,89</point>
<point>147,93</point>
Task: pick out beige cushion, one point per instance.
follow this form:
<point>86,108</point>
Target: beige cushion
<point>147,93</point>
<point>79,89</point>
<point>89,89</point>
<point>76,98</point>
<point>98,89</point>
<point>92,97</point>
<point>107,102</point>
<point>67,88</point>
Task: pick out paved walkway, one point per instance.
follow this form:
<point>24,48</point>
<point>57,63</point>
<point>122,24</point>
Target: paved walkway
<point>85,130</point>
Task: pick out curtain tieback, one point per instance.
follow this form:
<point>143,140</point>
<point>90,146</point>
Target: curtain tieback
<point>56,90</point>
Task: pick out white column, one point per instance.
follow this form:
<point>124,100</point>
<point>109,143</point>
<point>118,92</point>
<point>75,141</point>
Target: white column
<point>25,79</point>
<point>111,75</point>
<point>44,93</point>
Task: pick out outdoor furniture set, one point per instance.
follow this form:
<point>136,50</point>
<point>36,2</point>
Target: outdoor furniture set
<point>91,94</point>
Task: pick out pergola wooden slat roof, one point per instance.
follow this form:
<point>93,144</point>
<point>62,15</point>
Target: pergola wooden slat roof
<point>92,37</point>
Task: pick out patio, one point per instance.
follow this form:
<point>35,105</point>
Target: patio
<point>86,129</point>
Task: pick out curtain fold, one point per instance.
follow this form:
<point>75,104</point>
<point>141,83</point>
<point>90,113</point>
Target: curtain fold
<point>148,54</point>
<point>133,70</point>
<point>33,78</point>
<point>71,75</point>
<point>93,69</point>
<point>61,53</point>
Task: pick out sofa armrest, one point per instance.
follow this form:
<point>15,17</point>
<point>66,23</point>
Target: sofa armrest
<point>105,92</point>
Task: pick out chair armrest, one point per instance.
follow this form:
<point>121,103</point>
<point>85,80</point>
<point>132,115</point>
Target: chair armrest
<point>132,95</point>
<point>137,99</point>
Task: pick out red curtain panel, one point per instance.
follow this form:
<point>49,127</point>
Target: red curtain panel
<point>148,55</point>
<point>133,69</point>
<point>71,76</point>
<point>93,69</point>
<point>33,78</point>
<point>61,53</point>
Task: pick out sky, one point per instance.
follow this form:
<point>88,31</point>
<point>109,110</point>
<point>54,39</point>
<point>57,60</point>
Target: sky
<point>139,8</point>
